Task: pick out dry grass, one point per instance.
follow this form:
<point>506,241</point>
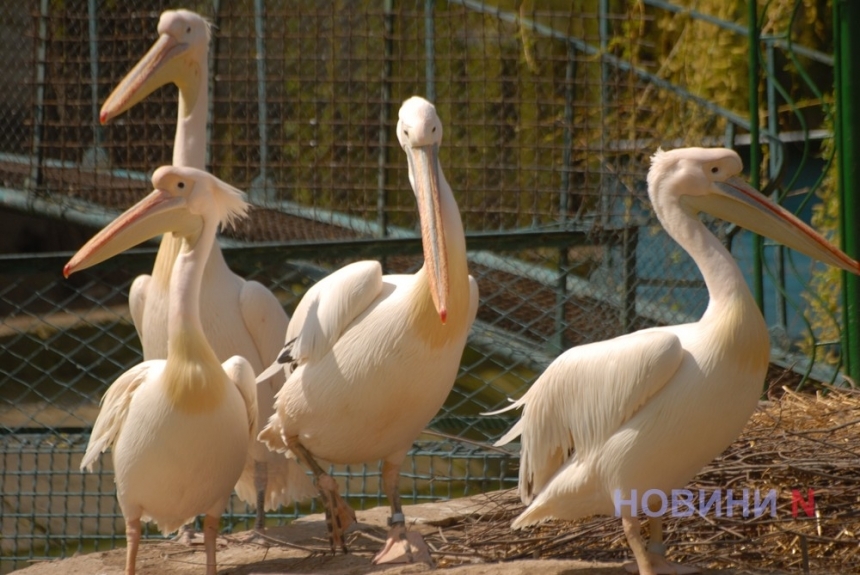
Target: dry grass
<point>793,441</point>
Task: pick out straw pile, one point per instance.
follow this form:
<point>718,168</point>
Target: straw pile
<point>794,441</point>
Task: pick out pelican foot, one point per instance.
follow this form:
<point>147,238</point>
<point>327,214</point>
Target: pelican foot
<point>403,546</point>
<point>659,566</point>
<point>338,514</point>
<point>188,536</point>
<point>254,537</point>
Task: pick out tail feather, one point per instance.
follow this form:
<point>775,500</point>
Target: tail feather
<point>512,434</point>
<point>286,482</point>
<point>270,371</point>
<point>531,516</point>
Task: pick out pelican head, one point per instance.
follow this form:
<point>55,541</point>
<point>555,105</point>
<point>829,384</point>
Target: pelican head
<point>183,41</point>
<point>182,200</point>
<point>705,180</point>
<point>419,132</point>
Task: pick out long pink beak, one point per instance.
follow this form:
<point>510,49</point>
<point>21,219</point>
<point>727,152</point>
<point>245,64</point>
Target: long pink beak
<point>424,162</point>
<point>150,73</point>
<point>156,214</point>
<point>738,202</point>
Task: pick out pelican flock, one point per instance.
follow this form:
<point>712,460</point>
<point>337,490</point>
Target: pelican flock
<point>610,420</point>
<point>179,428</point>
<point>370,358</point>
<point>239,317</point>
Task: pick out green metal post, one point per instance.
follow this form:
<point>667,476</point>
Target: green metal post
<point>846,19</point>
<point>430,49</point>
<point>755,145</point>
<point>559,342</point>
<point>382,180</point>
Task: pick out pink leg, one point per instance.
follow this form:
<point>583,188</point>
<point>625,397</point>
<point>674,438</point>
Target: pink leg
<point>187,535</point>
<point>261,480</point>
<point>401,546</point>
<point>338,515</point>
<point>132,538</point>
<point>210,535</point>
<point>650,559</point>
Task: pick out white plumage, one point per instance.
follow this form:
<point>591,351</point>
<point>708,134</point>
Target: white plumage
<point>239,317</point>
<point>371,358</point>
<point>179,428</point>
<point>648,410</point>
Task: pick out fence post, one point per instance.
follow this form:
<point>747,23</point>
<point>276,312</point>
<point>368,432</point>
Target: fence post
<point>262,190</point>
<point>430,49</point>
<point>213,73</point>
<point>35,179</point>
<point>774,162</point>
<point>560,342</point>
<point>846,19</point>
<point>98,156</point>
<point>755,145</point>
<point>382,159</point>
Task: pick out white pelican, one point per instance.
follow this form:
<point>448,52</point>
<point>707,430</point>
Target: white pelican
<point>649,409</point>
<point>180,427</point>
<point>239,317</point>
<point>371,358</point>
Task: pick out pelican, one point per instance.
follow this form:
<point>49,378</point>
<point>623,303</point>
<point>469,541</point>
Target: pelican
<point>179,427</point>
<point>239,317</point>
<point>649,409</point>
<point>370,358</point>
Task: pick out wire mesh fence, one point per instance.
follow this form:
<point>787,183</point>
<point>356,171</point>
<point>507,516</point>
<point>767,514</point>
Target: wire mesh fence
<point>550,112</point>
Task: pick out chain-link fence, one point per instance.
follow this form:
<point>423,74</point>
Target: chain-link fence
<point>551,110</point>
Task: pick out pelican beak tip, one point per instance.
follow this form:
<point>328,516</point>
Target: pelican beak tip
<point>443,315</point>
<point>67,271</point>
<point>103,117</point>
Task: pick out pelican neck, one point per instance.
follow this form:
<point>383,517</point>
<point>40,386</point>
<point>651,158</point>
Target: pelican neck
<point>186,281</point>
<point>723,277</point>
<point>189,150</point>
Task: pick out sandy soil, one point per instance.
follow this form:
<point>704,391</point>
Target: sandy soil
<point>302,548</point>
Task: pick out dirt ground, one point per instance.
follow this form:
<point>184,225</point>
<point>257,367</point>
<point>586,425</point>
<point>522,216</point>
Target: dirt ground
<point>793,440</point>
<point>302,548</point>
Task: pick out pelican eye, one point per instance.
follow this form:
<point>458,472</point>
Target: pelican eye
<point>180,185</point>
<point>434,129</point>
<point>188,30</point>
<point>715,170</point>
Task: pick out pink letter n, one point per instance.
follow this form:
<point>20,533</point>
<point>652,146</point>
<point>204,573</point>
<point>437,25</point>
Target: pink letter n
<point>808,505</point>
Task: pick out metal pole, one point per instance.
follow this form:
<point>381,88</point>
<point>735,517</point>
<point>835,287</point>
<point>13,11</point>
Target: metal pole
<point>774,162</point>
<point>213,60</point>
<point>560,342</point>
<point>94,157</point>
<point>382,159</point>
<point>603,33</point>
<point>94,72</point>
<point>846,19</point>
<point>261,187</point>
<point>430,49</point>
<point>35,179</point>
<point>755,146</point>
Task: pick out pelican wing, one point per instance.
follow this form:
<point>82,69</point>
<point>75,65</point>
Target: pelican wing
<point>114,410</point>
<point>137,302</point>
<point>240,372</point>
<point>265,321</point>
<point>326,310</point>
<point>584,397</point>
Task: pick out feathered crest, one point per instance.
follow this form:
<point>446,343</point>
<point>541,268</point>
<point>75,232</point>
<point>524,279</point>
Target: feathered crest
<point>658,160</point>
<point>231,202</point>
